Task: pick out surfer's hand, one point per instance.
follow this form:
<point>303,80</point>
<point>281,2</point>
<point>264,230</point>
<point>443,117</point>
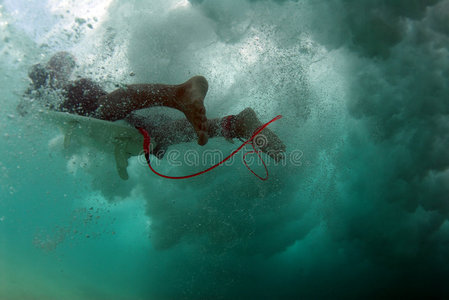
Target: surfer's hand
<point>159,150</point>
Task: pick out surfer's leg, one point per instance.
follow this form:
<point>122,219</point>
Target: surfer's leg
<point>243,126</point>
<point>240,126</point>
<point>246,123</point>
<point>187,97</point>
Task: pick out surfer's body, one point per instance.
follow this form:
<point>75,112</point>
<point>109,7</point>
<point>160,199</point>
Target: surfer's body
<point>86,98</point>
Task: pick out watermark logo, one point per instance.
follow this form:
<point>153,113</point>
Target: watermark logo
<point>209,157</point>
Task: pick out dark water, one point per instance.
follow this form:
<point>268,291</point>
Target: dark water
<point>359,209</point>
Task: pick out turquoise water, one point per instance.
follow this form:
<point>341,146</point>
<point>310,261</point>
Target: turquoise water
<point>359,209</point>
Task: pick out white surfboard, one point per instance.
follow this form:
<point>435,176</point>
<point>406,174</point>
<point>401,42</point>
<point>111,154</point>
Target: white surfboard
<point>118,138</point>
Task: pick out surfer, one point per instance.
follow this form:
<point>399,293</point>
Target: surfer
<point>86,98</point>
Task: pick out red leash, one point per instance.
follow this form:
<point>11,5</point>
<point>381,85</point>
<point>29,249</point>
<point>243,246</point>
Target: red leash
<point>146,149</point>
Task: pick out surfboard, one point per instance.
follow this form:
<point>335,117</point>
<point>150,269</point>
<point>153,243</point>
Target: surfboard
<point>118,138</point>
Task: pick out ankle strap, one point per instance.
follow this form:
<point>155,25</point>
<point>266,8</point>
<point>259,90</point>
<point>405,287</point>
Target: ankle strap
<point>228,126</point>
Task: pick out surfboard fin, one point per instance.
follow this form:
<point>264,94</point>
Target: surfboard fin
<point>67,139</point>
<point>121,160</point>
<point>68,134</point>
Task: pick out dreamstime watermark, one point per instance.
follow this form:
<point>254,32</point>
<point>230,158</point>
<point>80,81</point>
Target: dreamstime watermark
<point>209,157</point>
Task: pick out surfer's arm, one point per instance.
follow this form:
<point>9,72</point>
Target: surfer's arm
<point>187,97</point>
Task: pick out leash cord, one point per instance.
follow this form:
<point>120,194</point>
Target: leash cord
<point>146,149</point>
